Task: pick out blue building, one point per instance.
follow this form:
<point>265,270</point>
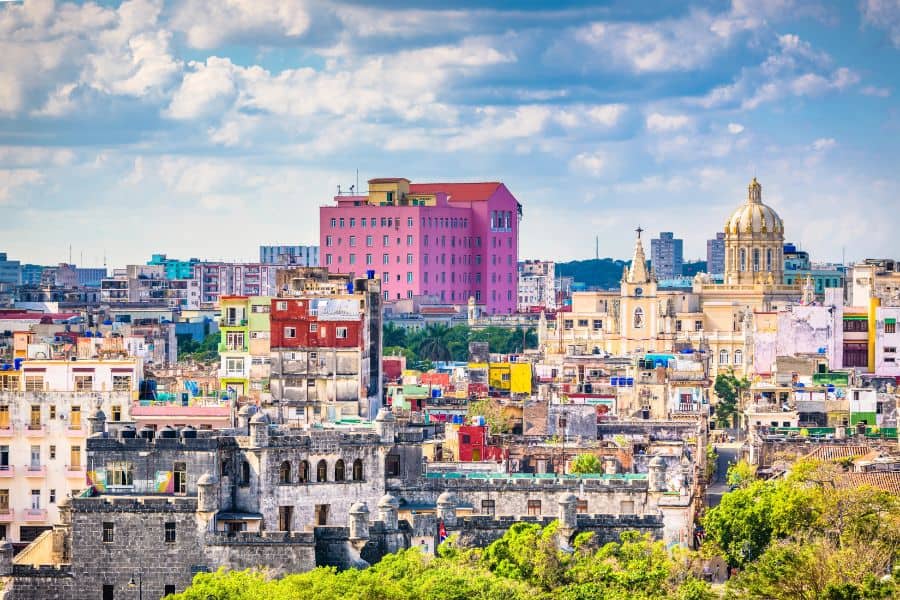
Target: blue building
<point>175,269</point>
<point>302,256</point>
<point>797,267</point>
<point>10,270</point>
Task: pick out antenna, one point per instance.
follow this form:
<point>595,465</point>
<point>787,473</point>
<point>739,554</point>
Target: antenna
<point>339,189</point>
<point>357,181</point>
<point>70,254</point>
<point>597,247</point>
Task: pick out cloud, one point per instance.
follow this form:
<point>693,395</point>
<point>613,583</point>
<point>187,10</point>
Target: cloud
<point>589,163</point>
<point>879,92</point>
<point>735,128</point>
<point>209,25</point>
<point>12,179</point>
<point>659,123</point>
<point>823,144</point>
<point>883,14</point>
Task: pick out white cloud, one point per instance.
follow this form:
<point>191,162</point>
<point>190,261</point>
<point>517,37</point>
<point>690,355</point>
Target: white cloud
<point>735,128</point>
<point>880,92</point>
<point>212,24</point>
<point>589,163</point>
<point>659,123</point>
<point>822,144</point>
<point>207,89</point>
<point>12,179</point>
<point>35,156</point>
<point>883,14</point>
<point>608,114</point>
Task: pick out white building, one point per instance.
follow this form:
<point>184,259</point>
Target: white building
<point>537,285</point>
<point>44,410</point>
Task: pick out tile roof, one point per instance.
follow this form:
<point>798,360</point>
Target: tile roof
<point>832,452</point>
<point>888,481</point>
<point>458,192</point>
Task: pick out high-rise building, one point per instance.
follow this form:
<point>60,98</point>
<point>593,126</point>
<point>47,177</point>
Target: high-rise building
<point>451,241</point>
<point>537,280</point>
<point>10,270</point>
<point>301,256</point>
<point>667,255</point>
<point>715,255</point>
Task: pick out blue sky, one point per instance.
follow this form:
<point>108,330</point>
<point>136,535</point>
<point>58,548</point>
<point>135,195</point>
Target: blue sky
<point>207,128</point>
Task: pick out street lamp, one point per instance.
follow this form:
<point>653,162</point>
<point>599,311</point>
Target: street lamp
<point>139,585</point>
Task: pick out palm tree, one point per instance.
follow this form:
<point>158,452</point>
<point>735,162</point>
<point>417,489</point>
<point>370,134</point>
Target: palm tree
<point>392,335</point>
<point>433,343</point>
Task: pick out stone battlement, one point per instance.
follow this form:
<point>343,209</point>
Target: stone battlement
<point>131,504</point>
<point>244,538</point>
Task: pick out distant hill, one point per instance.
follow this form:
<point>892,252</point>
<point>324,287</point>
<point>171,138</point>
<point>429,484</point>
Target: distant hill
<point>606,273</point>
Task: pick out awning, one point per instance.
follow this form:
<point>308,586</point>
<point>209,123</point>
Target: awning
<point>238,516</point>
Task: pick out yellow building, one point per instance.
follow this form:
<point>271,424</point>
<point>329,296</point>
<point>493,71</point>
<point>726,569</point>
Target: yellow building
<point>511,377</point>
<point>719,318</point>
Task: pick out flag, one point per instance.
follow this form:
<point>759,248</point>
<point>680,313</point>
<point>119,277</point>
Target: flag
<point>442,532</point>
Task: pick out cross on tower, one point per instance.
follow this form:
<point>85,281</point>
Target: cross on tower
<point>639,230</point>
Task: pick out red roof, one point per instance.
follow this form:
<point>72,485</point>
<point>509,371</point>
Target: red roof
<point>458,192</point>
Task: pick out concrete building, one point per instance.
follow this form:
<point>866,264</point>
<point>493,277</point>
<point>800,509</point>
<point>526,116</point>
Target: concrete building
<point>301,256</point>
<point>537,286</point>
<point>797,268</point>
<point>43,427</point>
<point>326,352</point>
<point>449,240</point>
<point>235,279</point>
<point>667,255</point>
<point>175,269</point>
<point>715,255</point>
<point>147,284</point>
<point>878,278</point>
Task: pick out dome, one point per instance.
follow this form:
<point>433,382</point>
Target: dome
<point>754,216</point>
<point>359,508</point>
<point>657,461</point>
<point>206,479</point>
<point>388,501</point>
<point>446,498</point>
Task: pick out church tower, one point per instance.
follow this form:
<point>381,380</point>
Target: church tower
<point>638,306</point>
<point>754,242</point>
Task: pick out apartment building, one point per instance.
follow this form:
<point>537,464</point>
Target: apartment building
<point>44,409</point>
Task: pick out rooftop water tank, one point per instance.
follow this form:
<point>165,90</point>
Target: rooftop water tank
<point>127,433</point>
<point>168,432</point>
<point>188,432</point>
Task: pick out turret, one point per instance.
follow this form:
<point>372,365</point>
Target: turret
<point>388,507</point>
<point>386,426</point>
<point>446,508</point>
<point>6,558</point>
<point>259,431</point>
<point>97,422</point>
<point>243,418</point>
<point>207,499</point>
<point>359,522</point>
<point>657,475</point>
<point>568,511</point>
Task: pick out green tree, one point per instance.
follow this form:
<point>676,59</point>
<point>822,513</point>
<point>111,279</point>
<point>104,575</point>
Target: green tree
<point>493,415</point>
<point>206,350</point>
<point>586,463</point>
<point>433,343</point>
<point>741,474</point>
<point>393,335</point>
<point>728,390</point>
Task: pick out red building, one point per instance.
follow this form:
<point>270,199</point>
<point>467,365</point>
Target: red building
<point>473,445</point>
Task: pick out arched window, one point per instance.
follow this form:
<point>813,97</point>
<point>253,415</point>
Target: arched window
<point>284,472</point>
<point>245,473</point>
<point>339,470</point>
<point>769,259</point>
<point>322,471</point>
<point>303,474</point>
<point>357,470</point>
<point>723,357</point>
<point>756,259</point>
<point>638,317</point>
<point>743,259</point>
<point>738,357</point>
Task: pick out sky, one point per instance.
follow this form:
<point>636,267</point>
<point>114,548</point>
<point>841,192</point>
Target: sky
<point>205,128</point>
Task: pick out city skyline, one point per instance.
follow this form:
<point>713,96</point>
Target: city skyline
<point>135,128</point>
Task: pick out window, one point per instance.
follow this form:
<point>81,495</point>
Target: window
<point>329,241</point>
<point>738,357</point>
<point>678,325</point>
<point>568,323</point>
<point>281,305</point>
<point>352,241</point>
<point>339,470</point>
<point>75,456</point>
<point>303,473</point>
<point>34,383</point>
<point>313,327</point>
<point>333,222</point>
<point>328,259</point>
<point>534,508</point>
<point>121,383</point>
<point>4,416</point>
<point>290,332</point>
<point>352,259</point>
<point>385,259</point>
<point>52,451</point>
<point>116,412</point>
<point>234,366</point>
<point>169,589</point>
<point>284,473</point>
<point>4,500</point>
<point>322,471</point>
<point>35,421</point>
<point>52,412</point>
<point>245,473</point>
<point>321,514</point>
<point>582,322</point>
<point>357,470</point>
<point>581,506</point>
<point>409,259</point>
<point>890,325</point>
<point>84,383</point>
<point>856,325</point>
<point>108,591</point>
<point>120,473</point>
<point>368,259</point>
<point>723,357</point>
<point>369,241</point>
<point>392,465</point>
<point>409,221</point>
<point>108,532</point>
<point>698,325</point>
<point>341,222</point>
<point>52,496</point>
<point>385,240</point>
<point>340,333</point>
<point>409,277</point>
<point>487,508</point>
<point>170,532</point>
<point>598,324</point>
<point>638,317</point>
<point>285,517</point>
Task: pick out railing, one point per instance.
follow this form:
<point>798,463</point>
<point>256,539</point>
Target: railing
<point>7,470</point>
<point>35,514</point>
<point>7,514</point>
<point>35,470</point>
<point>34,430</point>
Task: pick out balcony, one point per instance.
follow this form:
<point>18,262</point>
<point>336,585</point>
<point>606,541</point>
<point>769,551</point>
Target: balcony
<point>74,470</point>
<point>76,429</point>
<point>7,471</point>
<point>35,470</point>
<point>33,430</point>
<point>7,515</point>
<point>7,431</point>
<point>34,514</point>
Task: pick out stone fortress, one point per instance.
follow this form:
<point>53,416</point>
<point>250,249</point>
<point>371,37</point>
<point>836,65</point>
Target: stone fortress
<point>164,507</point>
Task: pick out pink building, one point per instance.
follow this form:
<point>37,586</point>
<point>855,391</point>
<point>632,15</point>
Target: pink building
<point>451,241</point>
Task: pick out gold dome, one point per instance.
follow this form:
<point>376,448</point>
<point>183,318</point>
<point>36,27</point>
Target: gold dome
<point>754,216</point>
